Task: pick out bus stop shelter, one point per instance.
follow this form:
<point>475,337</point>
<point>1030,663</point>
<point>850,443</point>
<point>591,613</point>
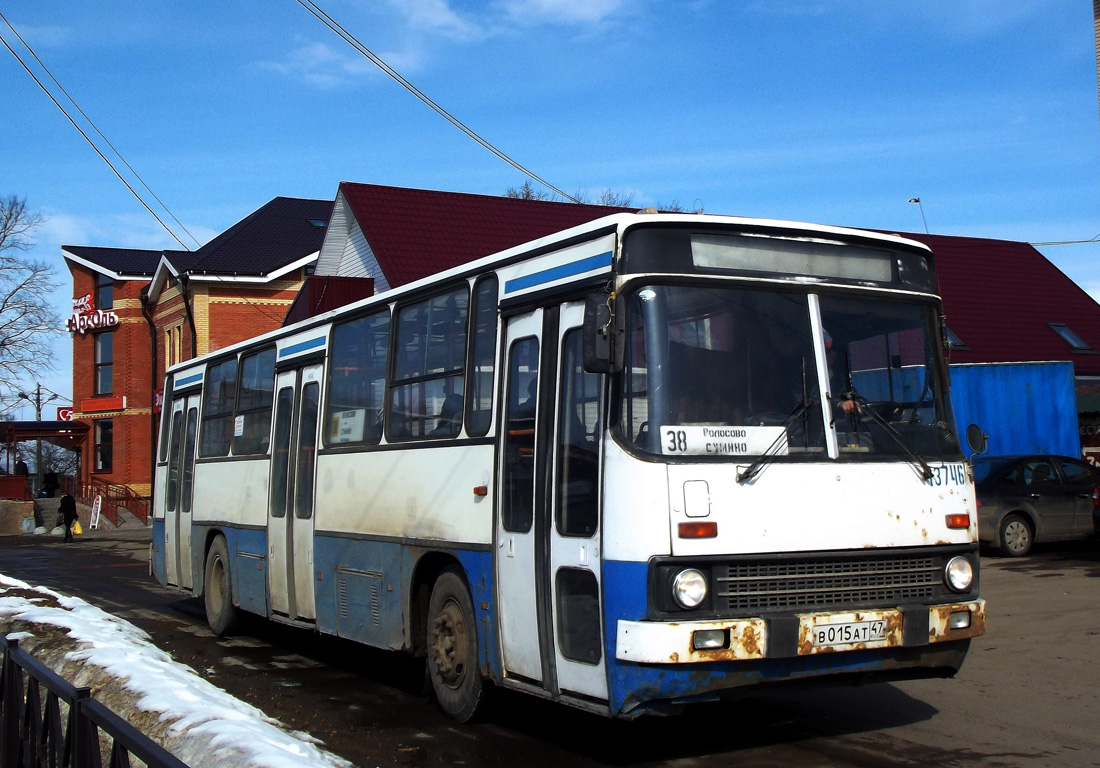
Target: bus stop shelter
<point>64,434</point>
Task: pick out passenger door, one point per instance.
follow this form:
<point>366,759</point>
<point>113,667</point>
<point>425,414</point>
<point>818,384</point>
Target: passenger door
<point>179,491</point>
<point>548,526</point>
<point>520,456</point>
<point>293,471</point>
<point>575,532</point>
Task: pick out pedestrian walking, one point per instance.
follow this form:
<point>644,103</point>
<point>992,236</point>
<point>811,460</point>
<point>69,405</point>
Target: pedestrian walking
<point>67,508</point>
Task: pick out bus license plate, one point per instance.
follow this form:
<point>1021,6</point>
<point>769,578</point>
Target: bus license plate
<point>849,632</point>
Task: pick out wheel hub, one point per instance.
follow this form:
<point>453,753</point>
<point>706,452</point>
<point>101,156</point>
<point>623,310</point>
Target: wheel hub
<point>449,645</point>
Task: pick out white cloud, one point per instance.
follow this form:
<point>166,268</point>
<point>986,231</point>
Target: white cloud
<point>436,16</point>
<point>535,12</point>
<point>323,66</point>
<point>40,36</point>
<point>131,230</point>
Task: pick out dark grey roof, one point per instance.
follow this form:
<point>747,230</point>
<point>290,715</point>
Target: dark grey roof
<point>122,261</point>
<point>279,233</point>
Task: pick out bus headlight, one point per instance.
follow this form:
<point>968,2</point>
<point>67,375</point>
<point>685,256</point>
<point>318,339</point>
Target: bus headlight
<point>959,574</point>
<point>689,588</point>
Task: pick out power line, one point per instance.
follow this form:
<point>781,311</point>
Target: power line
<point>96,129</point>
<point>88,139</point>
<point>233,288</point>
<point>351,40</point>
<point>1068,242</point>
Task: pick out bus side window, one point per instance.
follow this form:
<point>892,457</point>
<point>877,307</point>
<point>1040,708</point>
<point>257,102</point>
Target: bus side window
<point>518,510</point>
<point>578,462</point>
<point>483,343</point>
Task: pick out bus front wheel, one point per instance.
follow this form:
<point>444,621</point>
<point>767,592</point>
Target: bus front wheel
<point>221,614</point>
<point>452,647</point>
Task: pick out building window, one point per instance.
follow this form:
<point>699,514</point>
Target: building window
<point>173,345</point>
<point>1076,343</point>
<point>104,292</point>
<point>104,363</point>
<point>104,445</point>
<point>954,342</point>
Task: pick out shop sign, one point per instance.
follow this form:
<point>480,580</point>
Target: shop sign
<point>86,317</point>
<point>64,413</point>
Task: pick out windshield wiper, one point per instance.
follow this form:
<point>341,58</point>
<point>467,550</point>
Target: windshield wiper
<point>753,469</point>
<point>887,427</point>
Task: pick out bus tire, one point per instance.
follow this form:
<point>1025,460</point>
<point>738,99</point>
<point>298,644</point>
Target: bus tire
<point>452,647</point>
<point>1015,536</point>
<point>221,614</point>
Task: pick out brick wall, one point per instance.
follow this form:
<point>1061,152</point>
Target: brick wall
<point>224,314</point>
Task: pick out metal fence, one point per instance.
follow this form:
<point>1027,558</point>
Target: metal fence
<point>113,498</point>
<point>34,733</point>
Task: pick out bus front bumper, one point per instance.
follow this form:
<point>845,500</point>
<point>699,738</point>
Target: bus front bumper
<point>688,642</point>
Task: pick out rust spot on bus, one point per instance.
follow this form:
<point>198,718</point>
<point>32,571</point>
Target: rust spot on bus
<point>749,642</point>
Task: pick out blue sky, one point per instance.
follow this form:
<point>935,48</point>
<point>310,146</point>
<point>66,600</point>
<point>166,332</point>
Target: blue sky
<point>834,112</point>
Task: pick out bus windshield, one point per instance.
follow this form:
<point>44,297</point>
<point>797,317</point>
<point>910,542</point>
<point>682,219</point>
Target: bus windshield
<point>724,371</point>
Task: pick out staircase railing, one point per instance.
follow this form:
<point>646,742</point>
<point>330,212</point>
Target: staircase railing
<point>114,497</point>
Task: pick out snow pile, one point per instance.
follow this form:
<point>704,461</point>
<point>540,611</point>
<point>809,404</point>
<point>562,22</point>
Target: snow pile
<point>195,720</point>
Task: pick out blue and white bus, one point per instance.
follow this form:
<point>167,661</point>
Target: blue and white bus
<point>647,461</point>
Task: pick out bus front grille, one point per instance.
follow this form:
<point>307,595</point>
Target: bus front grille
<point>828,582</point>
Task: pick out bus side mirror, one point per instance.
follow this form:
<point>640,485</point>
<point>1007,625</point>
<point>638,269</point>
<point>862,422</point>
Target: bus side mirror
<point>976,439</point>
<point>602,341</point>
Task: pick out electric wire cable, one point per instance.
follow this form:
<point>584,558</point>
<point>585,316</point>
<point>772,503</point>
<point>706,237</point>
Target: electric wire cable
<point>95,127</point>
<point>91,143</point>
<point>351,40</point>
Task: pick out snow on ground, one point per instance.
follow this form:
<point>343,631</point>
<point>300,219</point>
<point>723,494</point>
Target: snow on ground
<point>189,704</point>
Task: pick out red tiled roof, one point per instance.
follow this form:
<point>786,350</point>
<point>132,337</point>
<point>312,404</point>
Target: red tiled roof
<point>1000,295</point>
<point>417,232</point>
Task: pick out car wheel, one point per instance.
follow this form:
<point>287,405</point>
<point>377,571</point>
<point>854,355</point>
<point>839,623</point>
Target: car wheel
<point>452,647</point>
<point>221,614</point>
<point>1016,536</point>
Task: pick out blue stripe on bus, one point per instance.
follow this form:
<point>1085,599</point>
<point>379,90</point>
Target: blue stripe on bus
<point>558,272</point>
<point>302,346</point>
<point>189,380</point>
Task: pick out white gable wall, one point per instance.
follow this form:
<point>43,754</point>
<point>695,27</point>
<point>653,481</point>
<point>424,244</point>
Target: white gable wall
<point>346,252</point>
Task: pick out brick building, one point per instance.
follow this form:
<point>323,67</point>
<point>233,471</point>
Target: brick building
<point>135,312</point>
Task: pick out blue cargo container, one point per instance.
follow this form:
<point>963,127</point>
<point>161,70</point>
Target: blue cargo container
<point>1023,407</point>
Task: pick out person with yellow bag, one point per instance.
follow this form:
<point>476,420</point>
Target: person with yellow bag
<point>67,508</point>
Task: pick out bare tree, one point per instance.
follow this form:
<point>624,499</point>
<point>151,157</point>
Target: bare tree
<point>27,322</point>
<point>63,461</point>
<point>527,192</point>
<point>618,199</point>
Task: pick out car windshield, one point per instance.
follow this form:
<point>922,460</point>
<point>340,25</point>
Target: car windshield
<point>720,371</point>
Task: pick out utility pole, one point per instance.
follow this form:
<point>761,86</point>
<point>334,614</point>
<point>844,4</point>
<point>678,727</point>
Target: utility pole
<point>38,403</point>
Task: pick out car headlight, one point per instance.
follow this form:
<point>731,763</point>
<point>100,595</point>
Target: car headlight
<point>959,574</point>
<point>689,588</point>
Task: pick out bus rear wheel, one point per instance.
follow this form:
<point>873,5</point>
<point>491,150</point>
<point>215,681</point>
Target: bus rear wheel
<point>221,614</point>
<point>452,647</point>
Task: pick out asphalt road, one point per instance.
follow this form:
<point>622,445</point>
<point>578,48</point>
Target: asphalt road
<point>1029,694</point>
